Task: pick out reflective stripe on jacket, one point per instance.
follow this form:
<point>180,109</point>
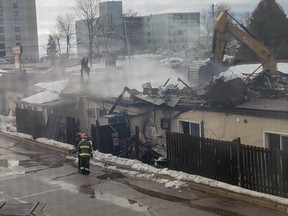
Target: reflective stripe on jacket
<point>84,148</point>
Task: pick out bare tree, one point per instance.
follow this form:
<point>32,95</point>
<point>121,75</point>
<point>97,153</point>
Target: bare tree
<point>245,18</point>
<point>106,30</point>
<point>207,22</point>
<point>88,11</point>
<point>66,29</point>
<point>130,13</point>
<point>208,17</point>
<point>57,39</point>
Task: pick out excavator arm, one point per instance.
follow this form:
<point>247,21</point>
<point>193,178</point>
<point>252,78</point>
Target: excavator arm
<point>224,28</point>
<point>118,100</point>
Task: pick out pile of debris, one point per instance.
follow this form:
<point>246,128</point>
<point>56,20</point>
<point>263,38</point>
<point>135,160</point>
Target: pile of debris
<point>266,85</point>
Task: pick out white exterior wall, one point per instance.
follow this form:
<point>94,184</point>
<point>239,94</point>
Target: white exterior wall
<point>10,101</point>
<point>225,126</point>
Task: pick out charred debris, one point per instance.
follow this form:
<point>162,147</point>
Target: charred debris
<point>217,94</point>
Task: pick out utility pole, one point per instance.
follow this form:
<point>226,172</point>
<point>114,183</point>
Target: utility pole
<point>126,39</point>
<point>213,10</point>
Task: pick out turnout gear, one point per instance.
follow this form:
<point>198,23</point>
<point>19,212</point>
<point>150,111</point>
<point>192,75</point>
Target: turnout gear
<point>85,153</point>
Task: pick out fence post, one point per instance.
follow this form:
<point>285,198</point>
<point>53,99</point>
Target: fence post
<point>279,176</point>
<point>137,131</point>
<point>239,161</point>
<point>97,135</point>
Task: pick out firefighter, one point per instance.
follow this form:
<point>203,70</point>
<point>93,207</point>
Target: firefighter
<point>84,149</point>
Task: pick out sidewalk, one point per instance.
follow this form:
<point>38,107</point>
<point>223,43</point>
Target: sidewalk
<point>168,178</point>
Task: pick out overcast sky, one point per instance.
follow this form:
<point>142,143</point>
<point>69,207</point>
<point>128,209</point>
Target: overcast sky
<point>47,10</point>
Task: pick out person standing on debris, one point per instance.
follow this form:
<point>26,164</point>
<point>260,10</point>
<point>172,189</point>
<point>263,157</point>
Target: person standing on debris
<point>82,67</point>
<point>85,153</point>
<point>86,68</point>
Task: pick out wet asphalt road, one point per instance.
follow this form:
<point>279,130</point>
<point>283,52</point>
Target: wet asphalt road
<point>29,174</point>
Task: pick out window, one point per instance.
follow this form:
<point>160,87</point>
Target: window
<point>17,29</point>
<point>17,37</point>
<point>2,38</point>
<point>276,141</point>
<point>177,16</point>
<point>1,4</point>
<point>15,4</point>
<point>1,13</point>
<point>1,29</point>
<point>91,112</point>
<point>148,19</point>
<point>102,112</point>
<point>149,41</point>
<point>1,21</point>
<point>16,21</point>
<point>16,14</point>
<point>191,128</point>
<point>2,46</point>
<point>149,34</point>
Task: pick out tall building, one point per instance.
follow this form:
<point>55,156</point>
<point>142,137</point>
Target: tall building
<point>134,29</point>
<point>110,30</point>
<point>111,25</point>
<point>18,26</point>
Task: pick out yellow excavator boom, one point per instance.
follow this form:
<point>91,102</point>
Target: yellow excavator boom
<point>223,28</point>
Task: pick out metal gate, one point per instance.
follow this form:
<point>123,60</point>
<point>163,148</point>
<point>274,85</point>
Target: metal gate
<point>30,122</point>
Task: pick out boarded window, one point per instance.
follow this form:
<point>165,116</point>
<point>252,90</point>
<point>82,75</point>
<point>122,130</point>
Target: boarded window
<point>191,128</point>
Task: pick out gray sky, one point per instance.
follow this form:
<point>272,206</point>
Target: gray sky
<point>47,10</point>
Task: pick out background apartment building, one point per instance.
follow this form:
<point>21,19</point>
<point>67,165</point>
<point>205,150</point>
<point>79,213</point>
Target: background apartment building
<point>18,25</point>
<point>174,31</point>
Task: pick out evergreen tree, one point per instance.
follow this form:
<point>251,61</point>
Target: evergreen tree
<point>270,24</point>
<point>51,49</point>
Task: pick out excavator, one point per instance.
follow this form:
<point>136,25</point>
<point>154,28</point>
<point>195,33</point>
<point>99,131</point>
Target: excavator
<point>233,91</point>
<point>224,28</point>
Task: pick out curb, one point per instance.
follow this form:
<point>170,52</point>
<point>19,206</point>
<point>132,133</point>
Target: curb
<point>243,197</point>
